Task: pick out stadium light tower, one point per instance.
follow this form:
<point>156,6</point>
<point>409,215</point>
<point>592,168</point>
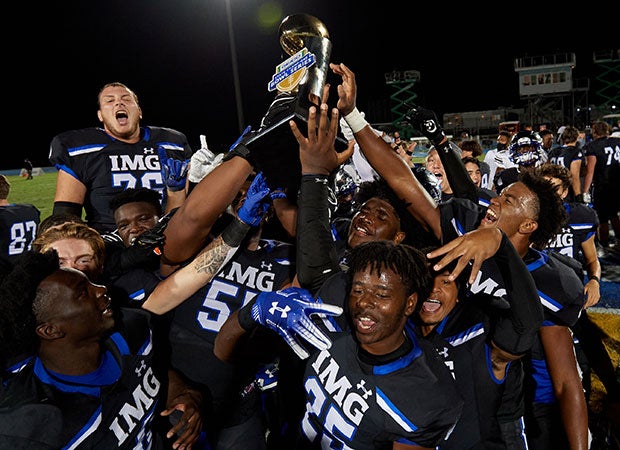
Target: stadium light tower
<point>235,67</point>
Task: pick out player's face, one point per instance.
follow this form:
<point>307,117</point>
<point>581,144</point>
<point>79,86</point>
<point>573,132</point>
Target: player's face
<point>510,209</point>
<point>434,166</point>
<point>474,172</point>
<point>379,309</point>
<point>77,254</point>
<point>80,308</point>
<point>441,301</point>
<point>120,114</point>
<point>375,220</point>
<point>133,219</point>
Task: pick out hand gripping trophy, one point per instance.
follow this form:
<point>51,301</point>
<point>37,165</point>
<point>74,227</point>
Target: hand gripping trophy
<point>299,83</point>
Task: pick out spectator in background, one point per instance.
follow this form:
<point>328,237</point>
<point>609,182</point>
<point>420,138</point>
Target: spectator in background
<point>603,176</point>
<point>526,153</point>
<point>18,227</point>
<point>548,139</point>
<point>497,158</point>
<point>28,166</point>
<point>568,154</point>
<point>471,147</point>
<point>94,164</point>
<point>472,165</point>
<point>396,141</point>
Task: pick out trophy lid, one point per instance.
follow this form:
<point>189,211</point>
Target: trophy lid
<point>294,28</point>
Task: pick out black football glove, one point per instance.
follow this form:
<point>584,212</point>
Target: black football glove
<point>426,121</point>
<point>145,250</point>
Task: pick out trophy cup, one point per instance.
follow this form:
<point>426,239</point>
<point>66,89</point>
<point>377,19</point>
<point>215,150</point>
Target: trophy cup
<point>299,81</point>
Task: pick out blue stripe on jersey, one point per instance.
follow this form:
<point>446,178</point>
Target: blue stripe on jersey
<point>458,227</point>
<point>121,343</point>
<point>483,202</point>
<point>88,429</point>
<point>64,168</point>
<point>147,345</point>
<point>404,361</point>
<point>171,146</point>
<point>549,303</point>
<point>138,295</point>
<point>466,335</point>
<point>538,262</point>
<point>75,151</point>
<point>107,373</point>
<point>544,387</point>
<point>19,365</point>
<point>386,405</point>
<point>487,352</point>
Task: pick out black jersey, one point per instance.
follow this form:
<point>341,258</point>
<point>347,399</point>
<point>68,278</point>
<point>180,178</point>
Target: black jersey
<point>607,168</point>
<point>107,166</point>
<point>198,319</point>
<point>462,340</point>
<point>582,225</point>
<point>356,401</point>
<point>115,406</point>
<point>18,228</point>
<point>565,155</point>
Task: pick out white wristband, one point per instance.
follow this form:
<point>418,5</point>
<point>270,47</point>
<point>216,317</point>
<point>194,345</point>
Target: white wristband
<point>355,120</point>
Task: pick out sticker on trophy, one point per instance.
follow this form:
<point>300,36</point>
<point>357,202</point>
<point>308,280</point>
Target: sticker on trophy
<point>291,72</point>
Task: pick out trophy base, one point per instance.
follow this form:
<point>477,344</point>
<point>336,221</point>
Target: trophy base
<point>275,149</point>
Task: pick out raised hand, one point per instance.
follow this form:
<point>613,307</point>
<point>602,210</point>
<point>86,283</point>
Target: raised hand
<point>474,246</point>
<point>256,203</point>
<point>426,121</point>
<point>288,313</point>
<point>173,171</point>
<point>347,90</point>
<point>203,161</point>
<point>317,152</point>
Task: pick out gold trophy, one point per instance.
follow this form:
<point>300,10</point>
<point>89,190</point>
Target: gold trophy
<point>299,82</point>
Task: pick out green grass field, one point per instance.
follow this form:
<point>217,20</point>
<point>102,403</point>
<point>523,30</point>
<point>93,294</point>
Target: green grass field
<point>39,191</point>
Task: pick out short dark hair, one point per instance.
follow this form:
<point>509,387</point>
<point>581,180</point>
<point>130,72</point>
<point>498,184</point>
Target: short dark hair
<point>551,215</point>
<point>19,292</point>
<point>471,145</point>
<point>379,188</point>
<point>5,187</point>
<point>406,261</point>
<point>115,84</point>
<point>132,195</point>
<point>470,159</point>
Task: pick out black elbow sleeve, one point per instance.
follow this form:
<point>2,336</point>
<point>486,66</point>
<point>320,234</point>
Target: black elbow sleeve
<point>67,208</point>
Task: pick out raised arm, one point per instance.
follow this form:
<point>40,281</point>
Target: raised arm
<point>460,182</point>
<point>185,281</point>
<point>316,249</point>
<point>188,230</point>
<point>382,158</point>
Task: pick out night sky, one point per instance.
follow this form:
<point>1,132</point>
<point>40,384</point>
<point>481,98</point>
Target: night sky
<point>176,55</point>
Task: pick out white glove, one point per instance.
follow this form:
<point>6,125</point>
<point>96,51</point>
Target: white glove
<point>203,161</point>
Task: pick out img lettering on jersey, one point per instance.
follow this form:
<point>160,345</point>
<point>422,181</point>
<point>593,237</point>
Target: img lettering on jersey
<point>347,399</point>
<point>140,410</point>
<point>563,242</point>
<point>147,165</point>
<point>252,277</point>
